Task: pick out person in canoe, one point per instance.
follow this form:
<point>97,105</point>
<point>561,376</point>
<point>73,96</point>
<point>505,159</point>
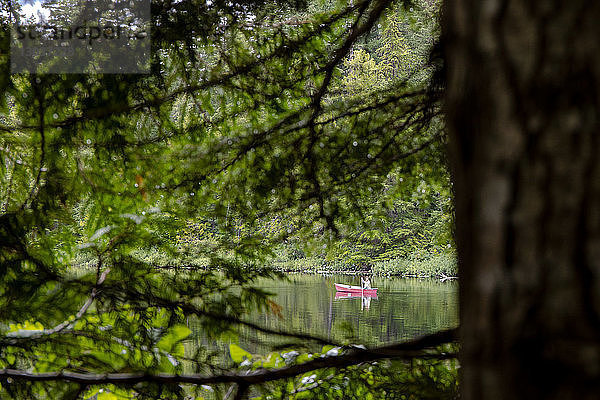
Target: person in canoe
<point>365,282</point>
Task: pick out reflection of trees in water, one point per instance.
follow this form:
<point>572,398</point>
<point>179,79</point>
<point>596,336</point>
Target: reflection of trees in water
<point>403,309</point>
<point>330,316</point>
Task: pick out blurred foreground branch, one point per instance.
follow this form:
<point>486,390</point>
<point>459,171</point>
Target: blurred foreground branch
<point>407,350</point>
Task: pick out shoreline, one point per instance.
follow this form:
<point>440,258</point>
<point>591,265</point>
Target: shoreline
<point>441,277</point>
<point>437,266</point>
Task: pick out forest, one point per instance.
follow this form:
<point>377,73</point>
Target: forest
<point>150,191</point>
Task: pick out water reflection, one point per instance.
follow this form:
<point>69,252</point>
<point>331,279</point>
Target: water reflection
<point>402,308</point>
<point>365,299</point>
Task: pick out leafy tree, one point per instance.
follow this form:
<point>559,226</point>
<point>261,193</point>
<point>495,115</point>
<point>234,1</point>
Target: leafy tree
<point>236,121</point>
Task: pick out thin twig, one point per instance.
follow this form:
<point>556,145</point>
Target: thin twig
<point>68,323</point>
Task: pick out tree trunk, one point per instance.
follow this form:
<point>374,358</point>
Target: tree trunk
<point>523,118</point>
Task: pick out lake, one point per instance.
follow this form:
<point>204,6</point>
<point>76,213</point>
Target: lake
<point>404,308</point>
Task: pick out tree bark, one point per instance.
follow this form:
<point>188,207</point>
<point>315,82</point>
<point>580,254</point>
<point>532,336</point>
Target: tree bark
<point>523,117</point>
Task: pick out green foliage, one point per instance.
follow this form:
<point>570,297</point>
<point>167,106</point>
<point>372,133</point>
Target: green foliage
<point>132,203</point>
<point>442,265</point>
<point>417,379</point>
<point>238,354</point>
<point>398,49</point>
<point>410,238</point>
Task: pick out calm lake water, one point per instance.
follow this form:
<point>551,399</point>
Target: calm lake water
<point>403,309</point>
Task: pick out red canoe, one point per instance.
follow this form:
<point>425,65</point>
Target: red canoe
<point>355,289</point>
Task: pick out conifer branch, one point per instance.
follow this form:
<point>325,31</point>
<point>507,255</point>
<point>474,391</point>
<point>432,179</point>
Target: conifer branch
<point>406,350</point>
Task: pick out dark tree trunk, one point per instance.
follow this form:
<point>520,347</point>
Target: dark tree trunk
<point>523,117</point>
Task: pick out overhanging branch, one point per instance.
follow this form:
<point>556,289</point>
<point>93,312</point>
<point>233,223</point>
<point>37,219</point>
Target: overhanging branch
<point>407,350</point>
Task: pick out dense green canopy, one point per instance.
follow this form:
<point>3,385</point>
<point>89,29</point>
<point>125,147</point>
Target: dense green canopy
<point>312,115</point>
